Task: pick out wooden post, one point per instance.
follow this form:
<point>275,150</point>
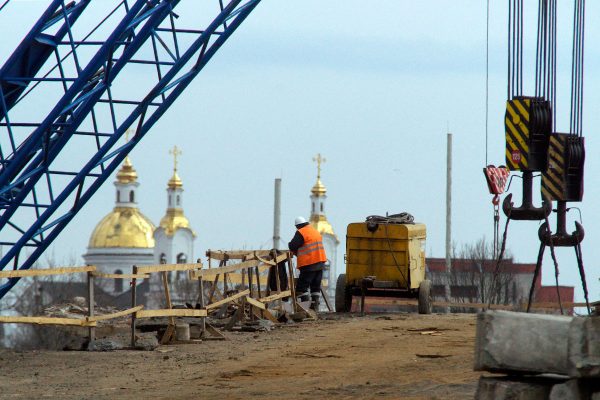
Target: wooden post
<point>133,301</point>
<point>203,319</point>
<point>225,288</point>
<point>250,282</point>
<point>171,327</point>
<point>262,315</point>
<point>90,284</point>
<point>326,300</point>
<point>277,279</point>
<point>213,288</point>
<point>258,291</point>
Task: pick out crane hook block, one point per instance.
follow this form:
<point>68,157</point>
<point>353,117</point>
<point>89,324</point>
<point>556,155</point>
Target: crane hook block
<point>562,180</point>
<point>496,178</point>
<point>528,125</point>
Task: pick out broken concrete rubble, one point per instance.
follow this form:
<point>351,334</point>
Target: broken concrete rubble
<point>584,347</point>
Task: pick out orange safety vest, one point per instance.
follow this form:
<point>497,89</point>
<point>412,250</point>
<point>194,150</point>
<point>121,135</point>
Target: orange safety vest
<point>312,250</point>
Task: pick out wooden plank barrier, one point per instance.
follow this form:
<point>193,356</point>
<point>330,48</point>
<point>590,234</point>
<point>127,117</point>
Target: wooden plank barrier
<point>171,312</point>
<point>255,303</point>
<point>115,315</point>
<point>228,299</point>
<point>233,277</point>
<point>120,276</point>
<point>168,267</point>
<point>277,296</point>
<point>236,254</point>
<point>224,270</point>
<point>43,272</point>
<point>10,319</point>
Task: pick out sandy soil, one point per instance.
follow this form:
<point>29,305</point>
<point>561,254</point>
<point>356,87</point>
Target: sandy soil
<point>384,356</point>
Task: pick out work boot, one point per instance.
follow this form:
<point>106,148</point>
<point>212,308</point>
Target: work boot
<point>304,297</point>
<point>315,300</point>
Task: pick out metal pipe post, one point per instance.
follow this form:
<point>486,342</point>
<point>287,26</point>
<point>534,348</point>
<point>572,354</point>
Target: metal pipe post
<point>448,214</point>
<point>90,284</point>
<point>277,214</point>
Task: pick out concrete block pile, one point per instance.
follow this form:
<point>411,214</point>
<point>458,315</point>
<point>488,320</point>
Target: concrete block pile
<point>545,357</point>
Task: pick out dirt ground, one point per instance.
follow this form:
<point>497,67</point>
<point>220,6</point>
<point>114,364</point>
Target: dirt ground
<point>341,356</point>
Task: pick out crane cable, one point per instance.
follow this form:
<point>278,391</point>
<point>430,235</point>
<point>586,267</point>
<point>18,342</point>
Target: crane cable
<point>487,77</point>
<point>496,217</point>
<point>576,123</point>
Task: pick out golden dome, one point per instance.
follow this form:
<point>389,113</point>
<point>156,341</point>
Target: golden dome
<point>126,174</point>
<point>319,189</point>
<point>123,227</point>
<point>173,220</point>
<point>175,181</point>
<point>320,223</point>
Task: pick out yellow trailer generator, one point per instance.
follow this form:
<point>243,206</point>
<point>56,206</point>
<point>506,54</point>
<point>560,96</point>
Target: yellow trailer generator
<point>385,257</point>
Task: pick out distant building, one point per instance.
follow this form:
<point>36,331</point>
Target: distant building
<point>472,281</point>
<point>174,239</point>
<point>318,219</point>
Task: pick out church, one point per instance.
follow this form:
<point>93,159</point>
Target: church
<point>318,219</point>
<point>126,237</point>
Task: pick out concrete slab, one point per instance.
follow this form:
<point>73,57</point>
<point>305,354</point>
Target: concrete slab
<point>569,390</point>
<point>584,347</point>
<point>506,388</point>
<point>520,342</point>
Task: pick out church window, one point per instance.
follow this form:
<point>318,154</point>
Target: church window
<point>313,207</point>
<point>181,258</point>
<point>321,207</point>
<point>178,200</point>
<point>118,196</point>
<point>163,258</point>
<point>131,197</point>
<point>170,201</point>
<point>118,282</point>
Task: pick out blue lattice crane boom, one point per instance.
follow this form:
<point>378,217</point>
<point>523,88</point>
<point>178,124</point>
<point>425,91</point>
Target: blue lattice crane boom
<point>53,159</point>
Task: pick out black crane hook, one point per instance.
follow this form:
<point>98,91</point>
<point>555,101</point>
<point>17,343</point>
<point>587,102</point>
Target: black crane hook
<point>527,211</point>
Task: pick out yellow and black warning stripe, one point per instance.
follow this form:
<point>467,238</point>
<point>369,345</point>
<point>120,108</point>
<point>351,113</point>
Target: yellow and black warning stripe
<point>516,122</point>
<point>554,183</point>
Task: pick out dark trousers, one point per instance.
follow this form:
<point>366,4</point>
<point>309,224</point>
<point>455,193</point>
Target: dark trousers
<point>309,279</point>
<point>283,278</point>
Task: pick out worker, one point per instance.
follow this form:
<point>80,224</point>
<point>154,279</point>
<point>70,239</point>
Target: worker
<point>307,246</point>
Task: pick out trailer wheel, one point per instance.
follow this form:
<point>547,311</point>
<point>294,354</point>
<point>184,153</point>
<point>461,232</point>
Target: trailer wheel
<point>425,300</point>
<point>343,295</point>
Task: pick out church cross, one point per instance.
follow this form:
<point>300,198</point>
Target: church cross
<point>319,160</point>
<point>175,153</point>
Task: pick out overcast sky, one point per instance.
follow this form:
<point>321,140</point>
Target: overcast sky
<point>374,86</point>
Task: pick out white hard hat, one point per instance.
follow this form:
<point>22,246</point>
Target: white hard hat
<point>299,220</point>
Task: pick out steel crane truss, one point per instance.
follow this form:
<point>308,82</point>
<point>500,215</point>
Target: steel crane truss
<point>125,72</point>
